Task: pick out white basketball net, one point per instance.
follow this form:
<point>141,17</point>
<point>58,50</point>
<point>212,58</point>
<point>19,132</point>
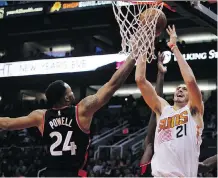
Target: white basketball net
<point>137,37</point>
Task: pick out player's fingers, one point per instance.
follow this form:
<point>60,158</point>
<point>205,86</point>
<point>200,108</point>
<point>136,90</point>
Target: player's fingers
<point>162,58</point>
<point>159,57</point>
<point>168,31</point>
<point>174,29</point>
<point>159,54</point>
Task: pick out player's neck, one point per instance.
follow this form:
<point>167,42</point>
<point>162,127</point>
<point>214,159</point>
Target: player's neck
<point>59,106</point>
<point>178,106</point>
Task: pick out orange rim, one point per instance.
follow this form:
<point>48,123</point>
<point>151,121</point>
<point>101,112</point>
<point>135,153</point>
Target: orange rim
<point>147,2</point>
<point>152,2</point>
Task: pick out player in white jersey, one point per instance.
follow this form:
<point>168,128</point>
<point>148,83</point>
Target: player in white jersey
<point>179,127</point>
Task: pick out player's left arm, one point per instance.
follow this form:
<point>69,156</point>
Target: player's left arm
<point>34,119</point>
<point>195,97</point>
<point>89,105</point>
<point>207,164</point>
<point>211,162</point>
<point>94,102</point>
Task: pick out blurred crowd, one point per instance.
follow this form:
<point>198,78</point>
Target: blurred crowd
<point>20,162</point>
<point>22,153</point>
<point>27,162</point>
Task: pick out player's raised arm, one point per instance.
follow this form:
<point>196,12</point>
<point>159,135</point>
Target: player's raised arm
<point>160,75</point>
<point>89,105</point>
<point>147,90</point>
<point>195,97</point>
<point>149,140</point>
<point>159,89</point>
<point>34,119</point>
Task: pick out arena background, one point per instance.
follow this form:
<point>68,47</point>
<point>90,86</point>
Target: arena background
<point>66,30</point>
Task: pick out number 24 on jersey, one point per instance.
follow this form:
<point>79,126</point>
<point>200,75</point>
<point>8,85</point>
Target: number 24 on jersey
<point>67,146</point>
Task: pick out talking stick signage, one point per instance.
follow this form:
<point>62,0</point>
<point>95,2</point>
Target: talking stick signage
<point>207,55</point>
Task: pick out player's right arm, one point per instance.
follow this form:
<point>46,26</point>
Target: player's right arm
<point>159,90</point>
<point>149,140</point>
<point>34,119</point>
<point>148,92</point>
<point>89,105</point>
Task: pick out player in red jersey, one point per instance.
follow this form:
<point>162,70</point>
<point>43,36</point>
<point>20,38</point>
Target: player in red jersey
<point>65,127</point>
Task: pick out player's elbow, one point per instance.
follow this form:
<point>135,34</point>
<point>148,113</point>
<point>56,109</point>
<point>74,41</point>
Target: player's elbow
<point>190,80</point>
<point>147,141</point>
<point>10,126</point>
<point>140,80</point>
<point>112,87</point>
<point>5,124</point>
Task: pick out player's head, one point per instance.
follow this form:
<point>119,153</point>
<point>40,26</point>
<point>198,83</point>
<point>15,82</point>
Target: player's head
<point>181,94</point>
<point>59,93</point>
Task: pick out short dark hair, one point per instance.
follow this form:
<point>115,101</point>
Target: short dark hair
<point>55,91</point>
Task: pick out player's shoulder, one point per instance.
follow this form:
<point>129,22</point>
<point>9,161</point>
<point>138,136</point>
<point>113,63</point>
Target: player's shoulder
<point>38,113</point>
<point>41,111</point>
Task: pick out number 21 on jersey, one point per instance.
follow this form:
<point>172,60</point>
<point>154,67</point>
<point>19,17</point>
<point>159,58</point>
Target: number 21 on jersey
<point>67,146</point>
<point>181,131</point>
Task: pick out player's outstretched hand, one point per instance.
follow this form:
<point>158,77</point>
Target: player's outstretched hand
<point>160,66</point>
<point>173,36</point>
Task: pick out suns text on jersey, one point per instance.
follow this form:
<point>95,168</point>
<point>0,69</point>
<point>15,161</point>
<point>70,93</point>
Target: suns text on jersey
<point>60,121</point>
<point>176,120</point>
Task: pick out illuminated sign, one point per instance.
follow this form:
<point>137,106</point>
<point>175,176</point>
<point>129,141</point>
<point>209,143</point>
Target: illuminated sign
<point>81,64</point>
<point>21,10</point>
<point>212,54</point>
<point>63,6</point>
<point>24,11</point>
<point>54,66</point>
<point>59,5</point>
<point>2,11</point>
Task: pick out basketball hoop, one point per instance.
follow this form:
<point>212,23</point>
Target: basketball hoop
<point>138,36</point>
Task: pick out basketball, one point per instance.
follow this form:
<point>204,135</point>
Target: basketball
<point>149,15</point>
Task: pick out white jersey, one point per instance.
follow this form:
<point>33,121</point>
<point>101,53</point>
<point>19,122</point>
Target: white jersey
<point>177,144</point>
